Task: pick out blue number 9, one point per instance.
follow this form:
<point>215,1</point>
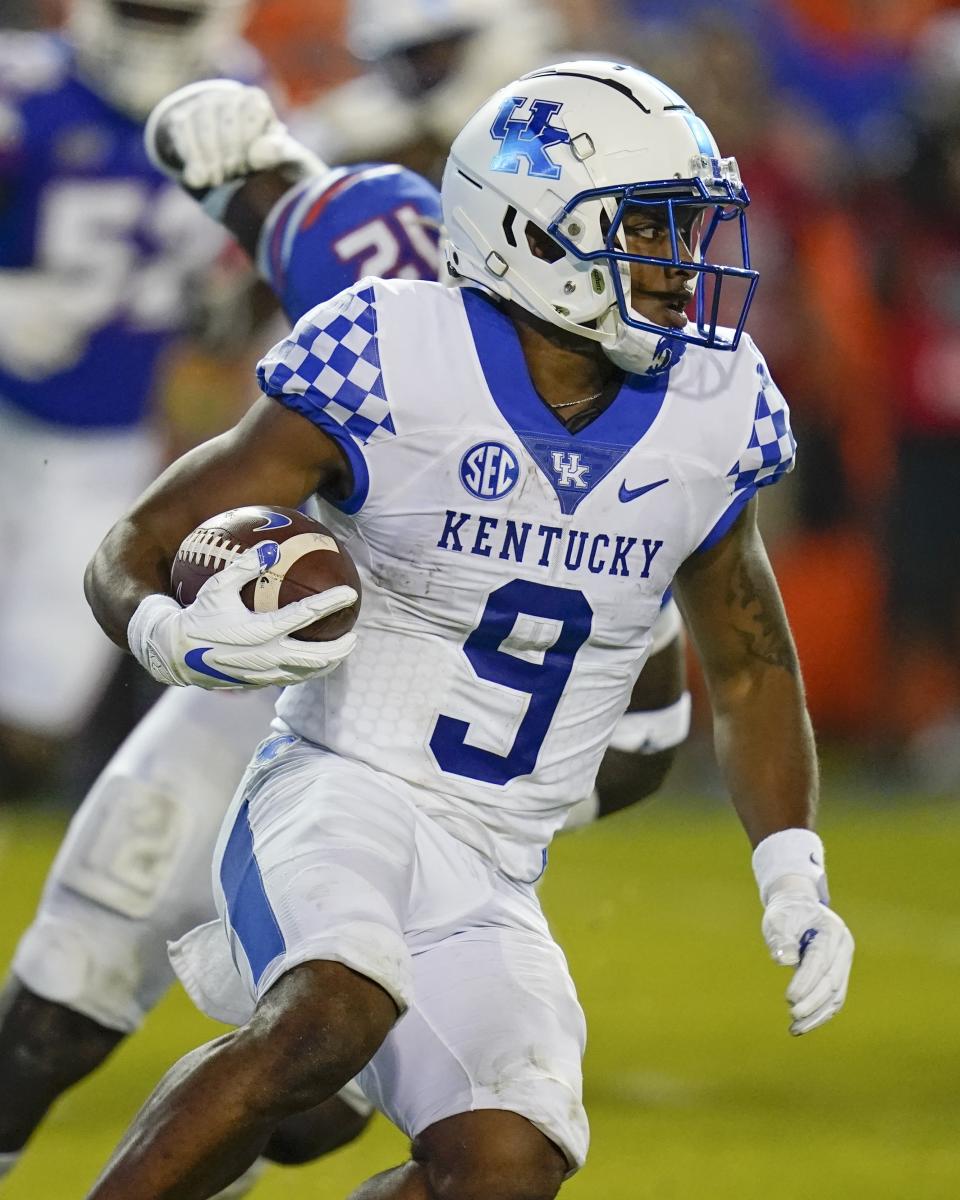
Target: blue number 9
<point>544,682</point>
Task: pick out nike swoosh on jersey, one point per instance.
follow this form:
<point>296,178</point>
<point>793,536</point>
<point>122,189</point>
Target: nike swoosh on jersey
<point>194,660</point>
<point>628,494</point>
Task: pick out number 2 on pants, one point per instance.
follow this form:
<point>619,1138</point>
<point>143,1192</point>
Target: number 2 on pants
<point>542,681</point>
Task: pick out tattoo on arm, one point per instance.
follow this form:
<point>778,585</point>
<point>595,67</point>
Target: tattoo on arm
<point>758,618</point>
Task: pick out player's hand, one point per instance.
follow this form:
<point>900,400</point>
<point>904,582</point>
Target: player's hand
<point>208,133</point>
<point>216,642</point>
<point>802,932</point>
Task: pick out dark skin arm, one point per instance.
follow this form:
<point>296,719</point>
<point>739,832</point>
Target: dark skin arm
<point>252,203</point>
<point>624,778</point>
<point>271,456</point>
<point>764,741</point>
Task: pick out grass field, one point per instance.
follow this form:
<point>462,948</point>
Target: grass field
<point>694,1089</point>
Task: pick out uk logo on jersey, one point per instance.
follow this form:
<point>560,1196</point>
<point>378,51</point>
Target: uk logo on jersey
<point>569,470</point>
<point>489,470</point>
<point>528,138</point>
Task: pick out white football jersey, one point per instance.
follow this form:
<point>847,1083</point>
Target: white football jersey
<point>511,569</point>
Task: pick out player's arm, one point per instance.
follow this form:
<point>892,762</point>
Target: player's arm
<point>764,742</point>
<point>647,736</point>
<point>272,454</point>
<point>223,143</point>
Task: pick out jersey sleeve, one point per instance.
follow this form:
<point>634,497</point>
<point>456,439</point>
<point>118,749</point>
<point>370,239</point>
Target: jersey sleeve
<point>768,453</point>
<point>328,370</point>
<point>329,231</point>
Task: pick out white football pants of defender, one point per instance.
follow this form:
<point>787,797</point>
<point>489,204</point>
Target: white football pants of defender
<point>134,869</point>
<point>60,491</point>
<point>324,858</point>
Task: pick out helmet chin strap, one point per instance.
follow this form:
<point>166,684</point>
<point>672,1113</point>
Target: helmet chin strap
<point>638,351</point>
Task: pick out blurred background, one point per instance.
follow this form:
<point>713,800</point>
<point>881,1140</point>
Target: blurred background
<point>845,118</point>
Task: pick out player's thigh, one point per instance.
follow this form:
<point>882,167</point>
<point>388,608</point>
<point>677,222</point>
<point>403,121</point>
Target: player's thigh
<point>135,868</point>
<point>70,488</point>
<point>314,863</point>
<point>495,1024</point>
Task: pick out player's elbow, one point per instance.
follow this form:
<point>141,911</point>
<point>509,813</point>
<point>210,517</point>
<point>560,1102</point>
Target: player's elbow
<point>102,591</point>
<point>758,683</point>
<point>92,582</point>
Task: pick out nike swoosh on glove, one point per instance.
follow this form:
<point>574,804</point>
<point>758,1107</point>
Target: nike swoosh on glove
<point>216,642</point>
<point>802,932</point>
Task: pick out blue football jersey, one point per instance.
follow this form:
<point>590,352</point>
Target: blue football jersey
<point>81,204</point>
<point>330,231</point>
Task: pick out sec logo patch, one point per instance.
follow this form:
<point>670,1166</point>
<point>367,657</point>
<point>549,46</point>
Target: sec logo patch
<point>489,470</point>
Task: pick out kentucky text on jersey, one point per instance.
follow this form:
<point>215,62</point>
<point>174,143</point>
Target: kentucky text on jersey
<point>548,545</point>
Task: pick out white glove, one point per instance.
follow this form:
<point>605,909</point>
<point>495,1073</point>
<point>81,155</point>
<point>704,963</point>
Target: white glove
<point>216,642</point>
<point>798,927</point>
<point>45,322</point>
<point>207,133</point>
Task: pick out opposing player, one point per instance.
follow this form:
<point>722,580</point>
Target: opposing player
<point>428,67</point>
<point>98,254</point>
<point>522,466</point>
<point>134,870</point>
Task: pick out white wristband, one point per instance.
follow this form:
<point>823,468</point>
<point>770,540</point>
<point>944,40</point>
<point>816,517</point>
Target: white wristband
<point>790,852</point>
<point>152,611</point>
<point>650,732</point>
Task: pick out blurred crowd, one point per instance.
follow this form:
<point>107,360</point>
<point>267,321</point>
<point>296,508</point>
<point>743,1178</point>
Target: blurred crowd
<point>845,118</point>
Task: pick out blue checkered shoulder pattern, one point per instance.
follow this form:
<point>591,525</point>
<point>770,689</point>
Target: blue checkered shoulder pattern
<point>329,370</point>
<point>771,449</point>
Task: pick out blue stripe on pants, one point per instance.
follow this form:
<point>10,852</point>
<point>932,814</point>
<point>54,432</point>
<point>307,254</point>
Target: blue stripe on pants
<point>251,916</point>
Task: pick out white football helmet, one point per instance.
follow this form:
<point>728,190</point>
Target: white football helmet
<point>499,39</point>
<point>377,28</point>
<point>571,149</point>
<point>134,53</point>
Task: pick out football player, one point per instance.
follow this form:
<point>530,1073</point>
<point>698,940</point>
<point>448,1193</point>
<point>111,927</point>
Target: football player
<point>522,465</point>
<point>98,252</point>
<point>134,870</point>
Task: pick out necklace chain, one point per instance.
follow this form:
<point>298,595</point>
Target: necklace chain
<point>571,403</point>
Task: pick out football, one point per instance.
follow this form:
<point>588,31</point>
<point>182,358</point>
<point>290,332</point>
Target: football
<point>301,558</point>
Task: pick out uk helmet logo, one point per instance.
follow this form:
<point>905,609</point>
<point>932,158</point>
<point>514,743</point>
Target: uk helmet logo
<point>528,138</point>
<point>489,470</point>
